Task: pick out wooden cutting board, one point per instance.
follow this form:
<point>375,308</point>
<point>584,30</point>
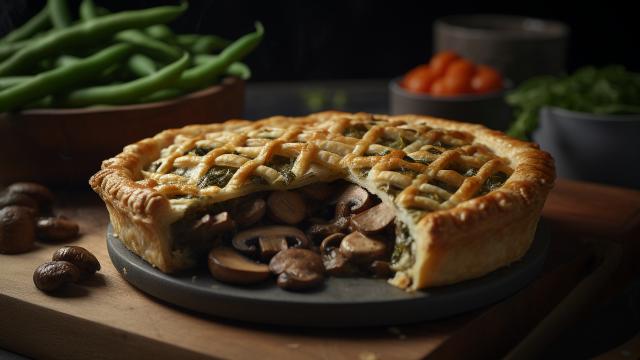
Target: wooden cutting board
<point>108,318</point>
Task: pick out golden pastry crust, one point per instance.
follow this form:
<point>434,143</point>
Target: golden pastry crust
<point>469,198</point>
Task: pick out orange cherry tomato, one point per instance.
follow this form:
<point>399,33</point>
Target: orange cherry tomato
<point>486,79</point>
<point>457,79</point>
<point>437,88</point>
<point>440,61</point>
<point>418,79</point>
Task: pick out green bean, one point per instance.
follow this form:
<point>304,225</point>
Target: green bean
<point>88,10</point>
<point>126,92</point>
<point>59,12</point>
<point>66,60</point>
<point>203,75</point>
<point>102,11</point>
<point>187,40</point>
<point>9,81</point>
<point>161,95</point>
<point>240,70</point>
<point>149,45</point>
<point>141,65</point>
<point>34,25</point>
<point>8,49</point>
<point>236,69</point>
<point>208,43</point>
<point>62,78</point>
<point>86,33</point>
<point>201,44</point>
<point>42,103</point>
<point>160,32</point>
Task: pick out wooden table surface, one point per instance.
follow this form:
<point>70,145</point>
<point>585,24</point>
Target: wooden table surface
<point>108,318</point>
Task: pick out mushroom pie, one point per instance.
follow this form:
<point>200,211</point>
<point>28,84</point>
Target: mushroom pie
<point>422,201</point>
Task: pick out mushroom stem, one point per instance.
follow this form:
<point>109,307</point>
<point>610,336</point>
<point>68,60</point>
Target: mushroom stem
<point>271,245</point>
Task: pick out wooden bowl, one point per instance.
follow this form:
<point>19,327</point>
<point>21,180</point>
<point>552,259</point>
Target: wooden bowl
<point>62,146</point>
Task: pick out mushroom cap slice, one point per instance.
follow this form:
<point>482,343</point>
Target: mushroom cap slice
<point>336,264</point>
<point>375,219</point>
<point>286,207</point>
<point>331,242</point>
<point>249,211</point>
<point>319,191</point>
<point>298,269</point>
<point>247,241</point>
<point>380,269</point>
<point>225,264</point>
<point>360,248</point>
<point>353,200</point>
<point>335,226</point>
<point>209,226</point>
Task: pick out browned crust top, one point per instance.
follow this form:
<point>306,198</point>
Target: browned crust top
<point>120,182</point>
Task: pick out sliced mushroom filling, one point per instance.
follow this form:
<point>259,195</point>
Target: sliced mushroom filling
<point>338,229</point>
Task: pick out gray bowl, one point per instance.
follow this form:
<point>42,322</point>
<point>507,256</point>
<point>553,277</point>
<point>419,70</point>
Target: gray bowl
<point>592,147</point>
<point>519,47</point>
<point>489,109</point>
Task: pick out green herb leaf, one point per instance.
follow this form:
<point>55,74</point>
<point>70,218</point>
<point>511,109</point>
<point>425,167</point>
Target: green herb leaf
<point>608,90</point>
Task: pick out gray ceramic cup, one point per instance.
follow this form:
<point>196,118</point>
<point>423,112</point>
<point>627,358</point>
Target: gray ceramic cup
<point>519,47</point>
<point>490,109</point>
<point>592,147</point>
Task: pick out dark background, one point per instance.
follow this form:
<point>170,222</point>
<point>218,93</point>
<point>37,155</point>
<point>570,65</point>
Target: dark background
<point>316,40</point>
<point>319,40</point>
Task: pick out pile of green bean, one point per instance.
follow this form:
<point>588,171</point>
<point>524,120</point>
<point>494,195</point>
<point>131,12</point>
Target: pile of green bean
<point>106,58</point>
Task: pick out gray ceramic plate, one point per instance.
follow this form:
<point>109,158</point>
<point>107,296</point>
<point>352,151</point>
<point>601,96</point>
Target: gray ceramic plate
<point>340,302</point>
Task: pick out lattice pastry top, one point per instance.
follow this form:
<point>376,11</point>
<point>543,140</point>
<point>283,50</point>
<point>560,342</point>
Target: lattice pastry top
<point>461,191</point>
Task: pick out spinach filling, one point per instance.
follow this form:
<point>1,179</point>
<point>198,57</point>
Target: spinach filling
<point>363,172</point>
<point>397,143</point>
<point>470,172</point>
<point>355,131</point>
<point>283,165</point>
<point>408,172</point>
<point>201,150</point>
<point>257,180</point>
<point>494,182</point>
<point>154,166</point>
<point>180,171</point>
<point>402,257</point>
<point>218,176</point>
<point>443,185</point>
<point>443,145</point>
